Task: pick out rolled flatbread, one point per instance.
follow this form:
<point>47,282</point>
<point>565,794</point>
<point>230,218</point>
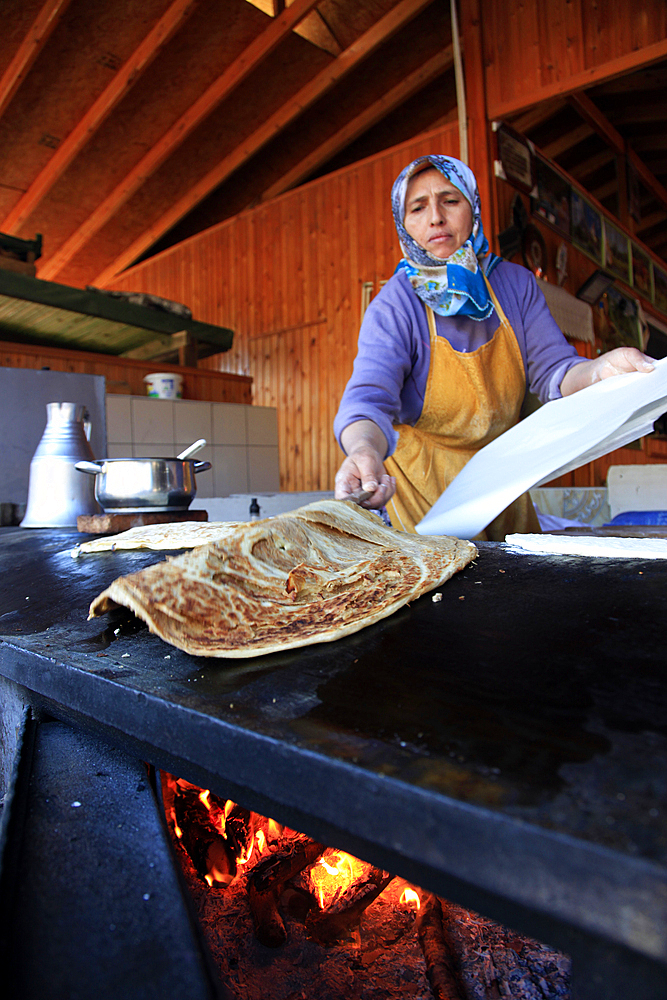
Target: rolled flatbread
<point>314,575</point>
<point>173,535</point>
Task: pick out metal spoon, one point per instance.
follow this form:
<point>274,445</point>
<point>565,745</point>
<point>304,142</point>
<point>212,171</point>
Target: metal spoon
<point>192,449</point>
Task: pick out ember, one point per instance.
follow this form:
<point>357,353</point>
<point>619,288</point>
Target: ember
<point>287,917</point>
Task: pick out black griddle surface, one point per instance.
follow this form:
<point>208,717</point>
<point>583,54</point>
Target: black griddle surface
<point>527,709</point>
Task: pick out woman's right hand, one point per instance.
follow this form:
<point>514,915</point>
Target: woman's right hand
<point>363,468</point>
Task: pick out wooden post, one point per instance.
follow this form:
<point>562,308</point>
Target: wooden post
<point>188,354</point>
<point>479,136</point>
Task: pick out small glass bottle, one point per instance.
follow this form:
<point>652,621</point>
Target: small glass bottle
<point>254,509</point>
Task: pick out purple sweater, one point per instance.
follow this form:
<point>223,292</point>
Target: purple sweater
<point>390,371</point>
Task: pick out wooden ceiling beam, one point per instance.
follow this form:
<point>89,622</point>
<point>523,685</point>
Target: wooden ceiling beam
<point>606,190</point>
<point>592,164</point>
<point>643,112</point>
<point>438,64</point>
<point>235,73</point>
<point>567,141</point>
<point>98,112</point>
<point>351,57</point>
<point>650,143</point>
<point>654,219</point>
<point>29,49</point>
<point>541,113</point>
<point>592,114</point>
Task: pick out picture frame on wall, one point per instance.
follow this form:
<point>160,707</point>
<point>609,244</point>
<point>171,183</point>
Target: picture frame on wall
<point>515,162</point>
<point>621,326</point>
<point>586,224</point>
<point>616,251</point>
<point>642,272</point>
<point>660,289</point>
<point>552,202</point>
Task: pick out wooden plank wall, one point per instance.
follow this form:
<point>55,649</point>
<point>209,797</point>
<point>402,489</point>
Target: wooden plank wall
<point>287,277</point>
<point>125,376</point>
<point>536,50</point>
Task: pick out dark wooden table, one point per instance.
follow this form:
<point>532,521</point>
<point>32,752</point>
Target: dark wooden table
<point>505,747</point>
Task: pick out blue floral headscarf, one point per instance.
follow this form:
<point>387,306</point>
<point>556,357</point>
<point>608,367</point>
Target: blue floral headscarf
<point>455,285</point>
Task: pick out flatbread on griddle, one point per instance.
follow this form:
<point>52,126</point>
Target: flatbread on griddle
<point>314,575</point>
<point>173,535</point>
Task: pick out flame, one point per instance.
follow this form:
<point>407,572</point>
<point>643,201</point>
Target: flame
<point>333,873</point>
<point>274,830</point>
<point>410,898</point>
<point>204,798</point>
<point>177,830</point>
<point>261,840</point>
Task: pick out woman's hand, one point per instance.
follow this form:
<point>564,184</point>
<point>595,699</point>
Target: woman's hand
<point>365,445</point>
<point>617,362</point>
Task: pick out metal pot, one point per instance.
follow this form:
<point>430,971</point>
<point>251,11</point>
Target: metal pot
<point>135,485</point>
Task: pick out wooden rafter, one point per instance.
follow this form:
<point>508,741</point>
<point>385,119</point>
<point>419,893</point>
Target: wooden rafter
<point>352,56</point>
<point>249,59</point>
<point>606,190</point>
<point>642,113</point>
<point>592,114</point>
<point>567,141</point>
<point>368,117</point>
<point>537,115</point>
<point>100,109</point>
<point>29,49</point>
<point>593,163</point>
<point>654,219</point>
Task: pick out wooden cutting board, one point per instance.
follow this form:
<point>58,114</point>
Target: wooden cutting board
<point>111,524</point>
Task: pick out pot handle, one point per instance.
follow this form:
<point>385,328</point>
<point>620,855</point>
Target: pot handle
<point>94,468</point>
<point>201,467</point>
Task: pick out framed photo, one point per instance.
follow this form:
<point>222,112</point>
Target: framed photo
<point>514,161</point>
<point>586,227</point>
<point>642,272</point>
<point>616,251</point>
<point>622,327</point>
<point>660,289</point>
<point>553,197</point>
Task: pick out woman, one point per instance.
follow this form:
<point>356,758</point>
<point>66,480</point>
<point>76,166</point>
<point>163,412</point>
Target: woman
<point>446,352</point>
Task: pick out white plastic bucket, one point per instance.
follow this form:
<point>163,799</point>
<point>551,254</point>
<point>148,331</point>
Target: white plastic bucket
<point>164,385</point>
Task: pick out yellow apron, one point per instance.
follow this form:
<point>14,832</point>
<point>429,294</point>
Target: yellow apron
<point>470,399</point>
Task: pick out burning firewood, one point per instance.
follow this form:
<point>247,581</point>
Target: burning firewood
<point>344,914</point>
<point>442,964</point>
<point>209,852</point>
<point>266,881</point>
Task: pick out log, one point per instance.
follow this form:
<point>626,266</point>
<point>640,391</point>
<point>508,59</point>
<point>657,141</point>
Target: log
<point>238,828</point>
<point>266,881</point>
<point>330,925</point>
<point>442,965</point>
<point>206,848</point>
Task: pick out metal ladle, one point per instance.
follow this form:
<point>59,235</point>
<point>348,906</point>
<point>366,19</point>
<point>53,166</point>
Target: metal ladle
<point>192,449</point>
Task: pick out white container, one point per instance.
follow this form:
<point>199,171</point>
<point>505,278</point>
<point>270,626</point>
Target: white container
<point>164,385</point>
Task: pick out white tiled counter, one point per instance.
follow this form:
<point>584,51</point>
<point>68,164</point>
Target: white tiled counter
<point>242,448</point>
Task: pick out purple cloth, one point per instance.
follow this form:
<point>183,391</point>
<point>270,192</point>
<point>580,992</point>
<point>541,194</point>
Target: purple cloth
<point>390,371</point>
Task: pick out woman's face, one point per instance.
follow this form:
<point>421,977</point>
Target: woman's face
<point>437,216</point>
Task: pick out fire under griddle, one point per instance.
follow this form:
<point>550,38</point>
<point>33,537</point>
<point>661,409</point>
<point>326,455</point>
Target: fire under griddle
<point>504,747</point>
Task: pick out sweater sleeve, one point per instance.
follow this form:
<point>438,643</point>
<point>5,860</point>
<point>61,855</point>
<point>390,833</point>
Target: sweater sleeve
<point>386,357</point>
